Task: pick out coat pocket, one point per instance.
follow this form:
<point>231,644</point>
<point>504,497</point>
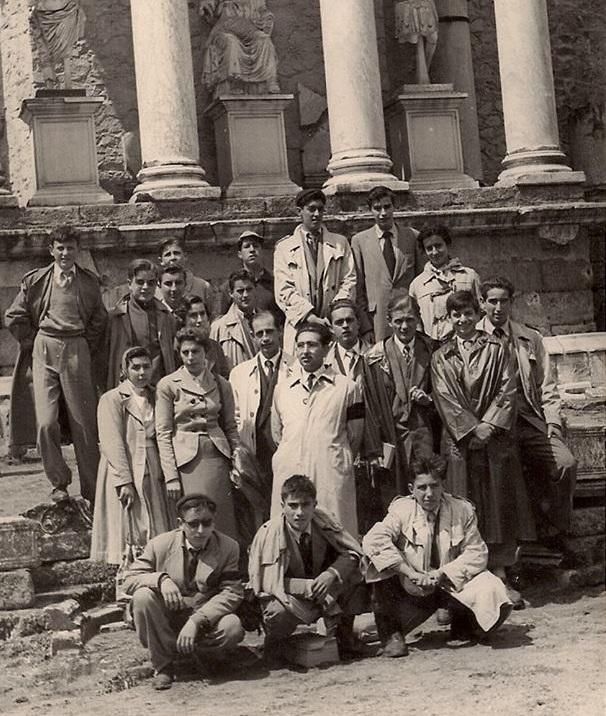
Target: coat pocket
<point>185,446</point>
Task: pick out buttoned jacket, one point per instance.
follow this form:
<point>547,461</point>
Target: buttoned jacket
<point>218,587</point>
<point>228,331</point>
<point>294,294</point>
<point>245,381</point>
<point>374,284</point>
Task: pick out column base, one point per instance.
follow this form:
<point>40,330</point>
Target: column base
<point>7,200</point>
<point>251,145</point>
<point>542,166</point>
<point>173,182</point>
<point>356,183</point>
<point>359,170</point>
<point>425,137</point>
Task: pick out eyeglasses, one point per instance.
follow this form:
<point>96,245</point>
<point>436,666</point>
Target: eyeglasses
<point>196,524</point>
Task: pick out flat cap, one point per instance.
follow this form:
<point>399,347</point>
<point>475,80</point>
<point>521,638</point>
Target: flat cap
<point>307,195</point>
<point>196,497</point>
<point>257,238</point>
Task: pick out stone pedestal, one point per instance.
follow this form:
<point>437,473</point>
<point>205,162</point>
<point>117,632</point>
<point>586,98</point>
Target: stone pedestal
<point>65,151</point>
<point>359,158</point>
<point>425,137</point>
<point>251,145</point>
<point>166,103</point>
<point>529,108</point>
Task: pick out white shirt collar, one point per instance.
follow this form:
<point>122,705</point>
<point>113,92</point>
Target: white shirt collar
<point>410,345</point>
<point>297,533</point>
<point>58,271</point>
<point>275,360</point>
<point>489,327</point>
<point>380,232</point>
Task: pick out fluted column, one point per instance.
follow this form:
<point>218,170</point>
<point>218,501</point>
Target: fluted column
<point>166,101</point>
<point>529,107</point>
<point>353,89</point>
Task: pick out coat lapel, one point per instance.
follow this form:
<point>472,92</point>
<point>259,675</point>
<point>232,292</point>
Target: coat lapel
<point>130,404</point>
<point>421,361</point>
<point>187,382</point>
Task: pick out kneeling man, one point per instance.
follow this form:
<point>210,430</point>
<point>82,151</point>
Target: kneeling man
<point>425,554</point>
<point>303,566</point>
<point>186,587</point>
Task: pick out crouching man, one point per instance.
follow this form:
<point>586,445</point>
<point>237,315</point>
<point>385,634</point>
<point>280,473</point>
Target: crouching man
<point>303,566</point>
<point>427,553</point>
<point>186,587</point>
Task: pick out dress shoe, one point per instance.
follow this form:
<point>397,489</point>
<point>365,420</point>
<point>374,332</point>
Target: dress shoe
<point>515,597</point>
<point>59,495</point>
<point>443,617</point>
<point>395,646</point>
<point>163,680</point>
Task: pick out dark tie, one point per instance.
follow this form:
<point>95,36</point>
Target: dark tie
<point>65,278</point>
<point>312,242</point>
<point>306,555</point>
<point>499,333</point>
<point>192,565</point>
<point>311,379</point>
<point>388,254</point>
<point>434,550</point>
<point>352,362</point>
<point>269,367</point>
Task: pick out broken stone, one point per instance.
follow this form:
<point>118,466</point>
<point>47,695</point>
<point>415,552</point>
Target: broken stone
<point>67,573</point>
<point>16,590</point>
<point>61,617</point>
<point>65,641</point>
<point>19,543</point>
<point>65,529</point>
<point>311,105</point>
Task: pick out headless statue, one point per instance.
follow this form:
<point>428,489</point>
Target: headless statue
<point>417,23</point>
<point>61,24</point>
<point>240,57</point>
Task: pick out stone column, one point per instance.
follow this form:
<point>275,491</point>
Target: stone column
<point>166,102</point>
<point>453,63</point>
<point>359,158</point>
<point>529,109</point>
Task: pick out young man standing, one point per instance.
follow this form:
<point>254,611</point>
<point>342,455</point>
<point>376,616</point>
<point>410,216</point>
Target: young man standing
<point>140,319</point>
<point>385,261</point>
<point>312,268</point>
<point>249,253</point>
<point>550,466</point>
<point>233,331</point>
<point>441,276</point>
<point>346,354</point>
<point>171,283</point>
<point>315,420</point>
<point>59,315</point>
<point>172,253</point>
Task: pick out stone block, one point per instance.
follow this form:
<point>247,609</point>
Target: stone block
<point>68,573</point>
<point>19,543</point>
<point>310,650</point>
<point>584,551</point>
<point>62,616</point>
<point>65,641</point>
<point>16,590</point>
<point>588,521</point>
<point>569,306</point>
<point>65,530</point>
<point>572,367</point>
<point>562,275</point>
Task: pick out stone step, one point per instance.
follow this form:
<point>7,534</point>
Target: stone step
<point>67,573</point>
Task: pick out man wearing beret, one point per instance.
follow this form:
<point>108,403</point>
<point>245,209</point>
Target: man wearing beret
<point>186,587</point>
<point>312,268</point>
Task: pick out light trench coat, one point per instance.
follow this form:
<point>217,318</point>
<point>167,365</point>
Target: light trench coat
<point>403,536</point>
<point>127,458</point>
<point>314,435</point>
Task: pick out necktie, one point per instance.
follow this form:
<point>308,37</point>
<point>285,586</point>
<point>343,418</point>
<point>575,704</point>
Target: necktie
<point>406,353</point>
<point>312,242</point>
<point>388,254</point>
<point>192,565</point>
<point>65,278</point>
<point>306,555</point>
<point>499,333</point>
<point>269,368</point>
<point>432,550</point>
<point>353,359</point>
<point>310,381</point>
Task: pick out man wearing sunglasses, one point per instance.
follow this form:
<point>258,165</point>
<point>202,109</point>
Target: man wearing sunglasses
<point>186,587</point>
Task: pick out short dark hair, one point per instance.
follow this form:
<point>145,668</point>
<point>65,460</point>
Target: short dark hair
<point>380,192</point>
<point>343,303</point>
<point>298,485</point>
<point>173,241</point>
<point>135,352</point>
<point>188,302</point>
<point>496,282</point>
<point>171,270</point>
<point>239,275</point>
<point>399,298</point>
<point>190,334</point>
<point>459,300</point>
<point>187,502</point>
<point>320,329</point>
<point>250,236</point>
<point>63,233</point>
<point>429,465</point>
<point>306,195</point>
<point>265,314</point>
<point>428,230</point>
<point>137,265</point>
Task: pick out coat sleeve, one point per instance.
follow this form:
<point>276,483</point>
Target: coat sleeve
<point>230,594</point>
<point>17,316</point>
<point>295,306</point>
<point>110,418</point>
<point>143,572</point>
<point>348,278</point>
<point>164,430</point>
<point>473,557</point>
<point>459,421</point>
<point>366,324</point>
<point>550,396</point>
<point>276,420</point>
<point>227,417</point>
<point>500,412</point>
<point>379,543</point>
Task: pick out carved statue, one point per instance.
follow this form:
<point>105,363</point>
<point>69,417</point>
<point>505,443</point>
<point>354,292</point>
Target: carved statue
<point>61,24</point>
<point>417,22</point>
<point>240,57</point>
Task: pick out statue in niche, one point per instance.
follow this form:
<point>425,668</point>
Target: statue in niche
<point>61,24</point>
<point>240,57</point>
<point>417,23</point>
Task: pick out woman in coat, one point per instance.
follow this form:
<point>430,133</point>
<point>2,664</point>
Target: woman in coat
<point>196,429</point>
<point>130,484</point>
